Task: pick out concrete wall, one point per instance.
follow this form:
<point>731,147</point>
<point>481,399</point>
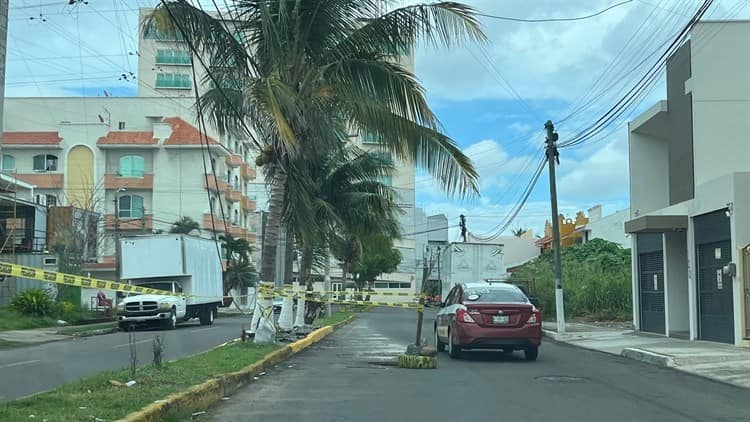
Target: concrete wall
<point>676,284</point>
<point>517,250</point>
<point>648,168</point>
<point>679,117</point>
<point>611,228</point>
<point>721,98</point>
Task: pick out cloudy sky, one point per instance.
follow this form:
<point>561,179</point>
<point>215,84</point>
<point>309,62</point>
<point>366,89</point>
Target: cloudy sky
<point>492,99</point>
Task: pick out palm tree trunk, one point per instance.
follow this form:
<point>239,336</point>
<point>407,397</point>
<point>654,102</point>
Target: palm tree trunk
<point>289,257</point>
<point>273,224</point>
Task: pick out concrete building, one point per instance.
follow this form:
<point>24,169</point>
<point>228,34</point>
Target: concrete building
<point>431,238</point>
<point>140,156</point>
<point>690,208</point>
<point>610,227</point>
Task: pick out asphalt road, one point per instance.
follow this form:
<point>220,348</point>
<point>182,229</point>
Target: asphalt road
<point>333,381</point>
<point>29,370</point>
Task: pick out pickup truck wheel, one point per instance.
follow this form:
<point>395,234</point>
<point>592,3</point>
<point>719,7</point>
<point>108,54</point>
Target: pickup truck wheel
<point>172,321</point>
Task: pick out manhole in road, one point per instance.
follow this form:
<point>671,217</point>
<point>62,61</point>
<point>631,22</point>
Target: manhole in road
<point>560,378</point>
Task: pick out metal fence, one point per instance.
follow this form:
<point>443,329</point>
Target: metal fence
<point>11,286</point>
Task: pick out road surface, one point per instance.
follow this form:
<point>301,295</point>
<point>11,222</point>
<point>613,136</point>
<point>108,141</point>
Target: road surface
<point>32,369</point>
<point>333,381</point>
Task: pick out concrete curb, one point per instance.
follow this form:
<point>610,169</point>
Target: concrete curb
<point>202,396</point>
<point>648,357</point>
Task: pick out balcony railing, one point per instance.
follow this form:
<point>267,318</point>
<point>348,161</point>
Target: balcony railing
<point>213,182</point>
<point>42,180</point>
<point>114,181</point>
<point>210,221</point>
<point>234,195</point>
<point>129,224</point>
<point>234,160</point>
<point>248,172</point>
<point>248,204</point>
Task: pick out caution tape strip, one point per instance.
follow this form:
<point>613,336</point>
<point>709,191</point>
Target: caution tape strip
<point>15,270</point>
<point>316,297</point>
<point>367,292</point>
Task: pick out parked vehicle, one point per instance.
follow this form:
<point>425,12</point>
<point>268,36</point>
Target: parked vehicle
<point>488,316</point>
<point>464,262</point>
<point>176,263</point>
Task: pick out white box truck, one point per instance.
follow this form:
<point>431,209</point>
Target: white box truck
<point>471,263</point>
<point>177,263</point>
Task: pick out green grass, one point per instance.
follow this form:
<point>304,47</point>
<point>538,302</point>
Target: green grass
<point>13,320</point>
<point>336,317</point>
<point>101,400</point>
<point>85,329</point>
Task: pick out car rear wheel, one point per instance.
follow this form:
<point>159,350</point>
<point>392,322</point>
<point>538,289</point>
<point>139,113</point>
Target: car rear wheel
<point>439,344</point>
<point>531,353</point>
<point>453,349</point>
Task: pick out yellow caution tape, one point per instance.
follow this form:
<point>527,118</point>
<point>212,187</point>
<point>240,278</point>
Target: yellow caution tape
<point>15,270</point>
<point>316,297</point>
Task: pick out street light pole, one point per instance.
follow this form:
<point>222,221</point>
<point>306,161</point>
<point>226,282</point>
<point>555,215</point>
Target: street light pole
<point>118,252</point>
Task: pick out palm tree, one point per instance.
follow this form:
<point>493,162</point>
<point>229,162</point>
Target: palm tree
<point>519,232</point>
<point>240,272</point>
<point>186,225</point>
<point>301,75</point>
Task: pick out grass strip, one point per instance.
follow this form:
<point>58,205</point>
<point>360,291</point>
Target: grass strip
<point>10,319</point>
<point>95,397</point>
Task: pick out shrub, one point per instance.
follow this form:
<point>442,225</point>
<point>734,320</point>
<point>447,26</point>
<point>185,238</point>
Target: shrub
<point>33,302</point>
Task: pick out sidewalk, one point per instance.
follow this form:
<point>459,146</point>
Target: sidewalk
<point>33,336</point>
<point>716,361</point>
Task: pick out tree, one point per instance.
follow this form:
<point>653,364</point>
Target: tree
<point>301,78</point>
<point>519,232</point>
<point>240,272</point>
<point>185,225</point>
<point>378,257</point>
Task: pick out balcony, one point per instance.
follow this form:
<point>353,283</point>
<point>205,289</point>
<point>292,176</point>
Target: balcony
<point>128,224</point>
<point>213,182</point>
<point>234,160</point>
<point>114,181</point>
<point>248,204</point>
<point>236,231</point>
<point>248,173</point>
<point>43,180</point>
<point>210,221</point>
<point>233,195</point>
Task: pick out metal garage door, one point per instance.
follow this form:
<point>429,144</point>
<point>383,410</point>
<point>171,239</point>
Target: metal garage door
<point>652,291</point>
<point>715,305</point>
<point>715,297</point>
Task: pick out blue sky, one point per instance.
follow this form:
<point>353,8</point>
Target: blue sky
<point>492,99</point>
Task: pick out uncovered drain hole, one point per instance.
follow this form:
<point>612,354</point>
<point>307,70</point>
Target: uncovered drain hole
<point>560,378</point>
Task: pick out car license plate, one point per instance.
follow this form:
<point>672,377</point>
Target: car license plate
<point>500,319</point>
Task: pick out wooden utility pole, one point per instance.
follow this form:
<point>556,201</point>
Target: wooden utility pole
<point>553,160</point>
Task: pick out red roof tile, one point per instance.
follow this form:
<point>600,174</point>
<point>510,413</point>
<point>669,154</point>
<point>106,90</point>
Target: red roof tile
<point>183,133</point>
<point>31,138</point>
<point>128,138</point>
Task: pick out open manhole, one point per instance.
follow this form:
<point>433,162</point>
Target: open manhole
<point>560,378</point>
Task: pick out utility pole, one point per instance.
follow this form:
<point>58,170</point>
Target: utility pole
<point>553,158</point>
<point>462,225</point>
<point>3,49</point>
<point>118,252</point>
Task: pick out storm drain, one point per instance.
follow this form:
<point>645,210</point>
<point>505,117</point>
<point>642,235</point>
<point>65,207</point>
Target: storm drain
<point>560,378</point>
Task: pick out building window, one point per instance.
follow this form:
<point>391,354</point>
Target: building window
<point>9,162</point>
<point>45,162</point>
<point>236,219</point>
<point>131,166</point>
<point>173,80</point>
<point>51,201</point>
<point>172,57</point>
<point>130,206</point>
<point>121,125</point>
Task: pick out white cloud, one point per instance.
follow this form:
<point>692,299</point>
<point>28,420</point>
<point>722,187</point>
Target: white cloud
<point>601,175</point>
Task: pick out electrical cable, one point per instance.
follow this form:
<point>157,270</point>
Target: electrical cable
<point>578,18</point>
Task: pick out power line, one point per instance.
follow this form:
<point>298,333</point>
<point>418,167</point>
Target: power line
<point>578,18</point>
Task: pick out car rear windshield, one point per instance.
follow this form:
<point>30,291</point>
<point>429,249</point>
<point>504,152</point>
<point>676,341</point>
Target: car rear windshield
<point>489,294</point>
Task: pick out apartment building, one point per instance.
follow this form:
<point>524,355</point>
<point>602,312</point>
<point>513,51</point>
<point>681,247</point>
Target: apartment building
<point>138,162</point>
<point>690,206</point>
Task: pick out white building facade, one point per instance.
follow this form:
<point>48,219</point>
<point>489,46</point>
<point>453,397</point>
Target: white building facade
<point>690,206</point>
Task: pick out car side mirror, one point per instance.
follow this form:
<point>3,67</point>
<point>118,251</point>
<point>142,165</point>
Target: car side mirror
<point>535,301</point>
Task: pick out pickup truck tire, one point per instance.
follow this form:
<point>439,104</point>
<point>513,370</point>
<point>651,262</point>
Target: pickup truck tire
<point>208,314</point>
<point>171,323</point>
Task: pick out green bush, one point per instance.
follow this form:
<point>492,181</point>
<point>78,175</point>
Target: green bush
<point>596,280</point>
<point>34,302</point>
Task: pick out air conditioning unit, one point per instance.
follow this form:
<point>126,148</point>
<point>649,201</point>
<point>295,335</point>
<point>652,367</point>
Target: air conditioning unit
<point>50,261</point>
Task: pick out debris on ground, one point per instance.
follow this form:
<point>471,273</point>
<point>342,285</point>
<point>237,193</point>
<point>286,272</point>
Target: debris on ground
<point>130,383</point>
<point>115,383</point>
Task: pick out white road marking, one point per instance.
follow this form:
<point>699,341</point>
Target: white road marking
<point>128,344</point>
<point>19,363</point>
<point>202,329</point>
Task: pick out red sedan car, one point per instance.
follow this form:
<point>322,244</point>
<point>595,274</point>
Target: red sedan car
<point>488,316</point>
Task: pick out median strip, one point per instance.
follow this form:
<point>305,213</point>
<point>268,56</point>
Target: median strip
<point>182,386</point>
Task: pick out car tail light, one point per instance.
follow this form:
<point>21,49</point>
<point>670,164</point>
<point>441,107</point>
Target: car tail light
<point>534,318</point>
<point>463,316</point>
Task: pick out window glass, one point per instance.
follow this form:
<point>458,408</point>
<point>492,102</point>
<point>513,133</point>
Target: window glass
<point>9,162</point>
<point>131,166</point>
